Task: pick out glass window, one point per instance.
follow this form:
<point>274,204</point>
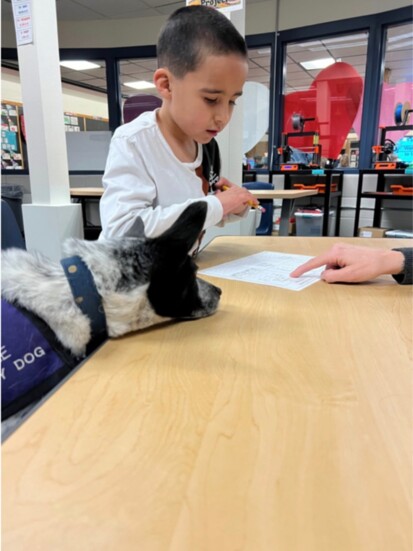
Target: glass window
<point>85,105</point>
<point>323,93</point>
<point>256,101</point>
<point>396,144</point>
<point>85,102</point>
<point>85,108</point>
<point>138,91</point>
<point>13,144</point>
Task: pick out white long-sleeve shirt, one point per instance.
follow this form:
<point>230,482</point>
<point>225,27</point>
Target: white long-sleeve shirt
<point>144,178</point>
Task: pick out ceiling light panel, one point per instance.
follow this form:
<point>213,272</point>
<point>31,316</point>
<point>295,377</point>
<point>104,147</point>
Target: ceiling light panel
<point>317,63</point>
<point>140,85</point>
<point>79,65</point>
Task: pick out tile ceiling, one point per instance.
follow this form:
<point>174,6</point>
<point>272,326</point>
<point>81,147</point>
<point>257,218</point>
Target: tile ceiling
<point>351,49</point>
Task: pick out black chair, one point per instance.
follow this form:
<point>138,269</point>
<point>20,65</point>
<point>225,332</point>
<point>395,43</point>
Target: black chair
<point>11,235</point>
<point>266,224</point>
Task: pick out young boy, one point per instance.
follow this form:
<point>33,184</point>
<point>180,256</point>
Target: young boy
<point>165,159</point>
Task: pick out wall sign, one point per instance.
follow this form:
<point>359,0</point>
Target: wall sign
<point>222,5</point>
<point>23,24</point>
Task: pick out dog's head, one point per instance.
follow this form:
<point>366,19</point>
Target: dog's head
<point>144,281</point>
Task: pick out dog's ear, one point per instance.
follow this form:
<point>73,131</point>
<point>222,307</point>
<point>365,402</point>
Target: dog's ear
<point>137,229</point>
<point>184,233</point>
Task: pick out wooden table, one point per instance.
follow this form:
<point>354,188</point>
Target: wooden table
<point>287,207</point>
<point>88,192</point>
<point>281,423</point>
<point>288,196</point>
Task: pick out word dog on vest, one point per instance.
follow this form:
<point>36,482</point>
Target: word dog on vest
<point>30,365</point>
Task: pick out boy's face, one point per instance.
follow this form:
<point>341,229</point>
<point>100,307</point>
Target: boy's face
<point>201,103</point>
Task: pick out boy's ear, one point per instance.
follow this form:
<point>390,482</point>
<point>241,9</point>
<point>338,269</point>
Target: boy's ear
<point>183,234</point>
<point>161,79</point>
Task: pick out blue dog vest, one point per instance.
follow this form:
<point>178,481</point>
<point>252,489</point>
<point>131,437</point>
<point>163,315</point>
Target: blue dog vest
<point>33,361</point>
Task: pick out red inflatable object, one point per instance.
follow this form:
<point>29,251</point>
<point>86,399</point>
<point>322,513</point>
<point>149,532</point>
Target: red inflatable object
<point>333,100</point>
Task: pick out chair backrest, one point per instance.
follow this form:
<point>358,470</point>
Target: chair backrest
<point>266,224</point>
<point>136,105</point>
<point>11,235</point>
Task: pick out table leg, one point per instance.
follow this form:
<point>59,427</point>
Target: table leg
<point>338,216</point>
<point>83,202</point>
<point>326,209</point>
<point>358,204</point>
<point>286,208</point>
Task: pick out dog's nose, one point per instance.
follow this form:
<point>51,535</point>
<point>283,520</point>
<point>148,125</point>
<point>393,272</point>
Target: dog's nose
<point>218,290</point>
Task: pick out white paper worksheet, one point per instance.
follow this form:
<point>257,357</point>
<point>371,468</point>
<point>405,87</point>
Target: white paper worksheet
<point>267,268</point>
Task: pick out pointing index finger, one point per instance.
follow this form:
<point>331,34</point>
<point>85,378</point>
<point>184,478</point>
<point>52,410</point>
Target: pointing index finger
<point>311,264</point>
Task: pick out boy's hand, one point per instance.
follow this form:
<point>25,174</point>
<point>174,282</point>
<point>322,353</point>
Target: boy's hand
<point>234,199</point>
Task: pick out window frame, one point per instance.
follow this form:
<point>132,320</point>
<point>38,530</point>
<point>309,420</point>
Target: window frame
<point>376,25</point>
<point>266,40</point>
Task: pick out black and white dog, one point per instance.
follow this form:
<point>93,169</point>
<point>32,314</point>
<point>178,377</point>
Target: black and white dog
<point>134,282</point>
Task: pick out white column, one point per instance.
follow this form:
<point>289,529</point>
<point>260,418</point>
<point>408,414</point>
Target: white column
<point>51,217</point>
<point>230,145</point>
<point>230,140</point>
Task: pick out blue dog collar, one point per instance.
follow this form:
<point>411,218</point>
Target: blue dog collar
<point>85,293</point>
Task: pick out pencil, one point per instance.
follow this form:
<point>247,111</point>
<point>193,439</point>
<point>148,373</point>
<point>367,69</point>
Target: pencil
<point>250,203</point>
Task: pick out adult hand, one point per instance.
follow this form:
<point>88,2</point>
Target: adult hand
<point>352,264</point>
<point>234,199</point>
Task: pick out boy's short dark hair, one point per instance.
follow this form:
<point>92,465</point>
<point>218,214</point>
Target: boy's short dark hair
<point>193,32</point>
